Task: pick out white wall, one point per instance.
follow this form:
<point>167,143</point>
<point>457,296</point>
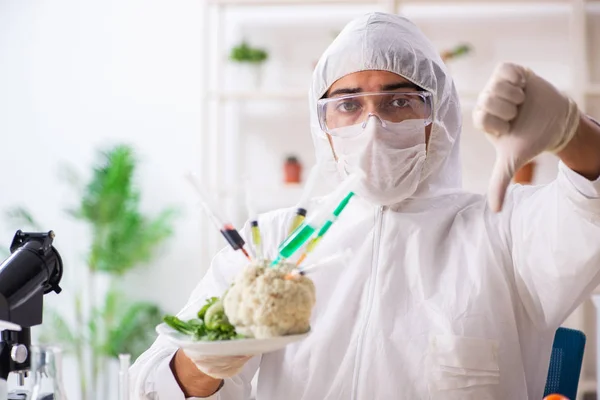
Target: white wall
<point>75,75</point>
<point>78,75</point>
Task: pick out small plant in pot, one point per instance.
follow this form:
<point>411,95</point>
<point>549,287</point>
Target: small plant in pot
<point>250,60</point>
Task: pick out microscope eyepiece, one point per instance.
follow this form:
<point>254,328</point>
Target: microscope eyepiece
<point>34,267</point>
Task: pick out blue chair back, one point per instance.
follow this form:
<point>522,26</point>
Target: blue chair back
<point>565,363</point>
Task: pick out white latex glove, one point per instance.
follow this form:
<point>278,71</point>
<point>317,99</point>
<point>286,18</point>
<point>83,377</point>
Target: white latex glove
<point>523,115</point>
<point>218,367</point>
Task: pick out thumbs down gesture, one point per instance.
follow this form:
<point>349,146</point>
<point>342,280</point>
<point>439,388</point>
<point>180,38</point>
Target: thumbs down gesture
<point>523,115</point>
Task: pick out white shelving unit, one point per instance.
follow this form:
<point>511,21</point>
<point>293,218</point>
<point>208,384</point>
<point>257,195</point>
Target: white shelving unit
<point>218,98</point>
<point>289,2</point>
<point>221,147</point>
<point>258,96</point>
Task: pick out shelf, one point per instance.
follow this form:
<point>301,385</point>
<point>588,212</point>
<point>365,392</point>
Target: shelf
<point>290,2</point>
<point>375,2</point>
<point>267,191</point>
<point>485,2</point>
<point>468,98</point>
<point>292,94</point>
<point>278,95</point>
<point>268,197</point>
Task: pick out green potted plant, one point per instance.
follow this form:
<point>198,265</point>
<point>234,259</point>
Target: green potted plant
<point>105,322</point>
<point>249,60</point>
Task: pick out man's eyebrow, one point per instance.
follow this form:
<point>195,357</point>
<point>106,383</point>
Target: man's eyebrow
<point>400,85</point>
<point>344,91</point>
<point>385,88</point>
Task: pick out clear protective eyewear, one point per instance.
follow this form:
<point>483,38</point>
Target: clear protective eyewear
<point>348,110</point>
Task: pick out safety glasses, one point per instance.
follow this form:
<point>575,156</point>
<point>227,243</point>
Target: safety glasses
<point>345,111</point>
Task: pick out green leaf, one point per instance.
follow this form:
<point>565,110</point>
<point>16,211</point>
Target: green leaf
<point>187,328</point>
<point>215,316</point>
<point>21,218</point>
<point>93,328</point>
<point>110,190</point>
<point>245,53</point>
<point>131,242</point>
<point>56,330</point>
<point>134,332</point>
<point>68,174</point>
<point>112,306</point>
<point>209,302</point>
<point>123,237</point>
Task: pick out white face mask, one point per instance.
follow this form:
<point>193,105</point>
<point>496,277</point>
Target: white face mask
<point>391,157</point>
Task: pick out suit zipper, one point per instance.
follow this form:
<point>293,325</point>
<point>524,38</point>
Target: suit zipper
<point>370,290</point>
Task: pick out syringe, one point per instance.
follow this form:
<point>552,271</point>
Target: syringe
<point>323,215</point>
<point>306,194</point>
<point>254,228</point>
<point>317,239</point>
<point>227,229</point>
<point>343,256</point>
<point>256,239</point>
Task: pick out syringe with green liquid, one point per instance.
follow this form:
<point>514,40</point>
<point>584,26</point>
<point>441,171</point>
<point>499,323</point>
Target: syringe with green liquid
<point>317,239</point>
<point>320,218</point>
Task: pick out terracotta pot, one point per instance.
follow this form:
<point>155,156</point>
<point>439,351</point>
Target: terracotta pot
<point>524,176</point>
<point>292,170</point>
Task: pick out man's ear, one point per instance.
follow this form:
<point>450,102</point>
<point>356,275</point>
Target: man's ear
<point>332,149</point>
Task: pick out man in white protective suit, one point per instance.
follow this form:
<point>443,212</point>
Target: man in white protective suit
<point>449,295</point>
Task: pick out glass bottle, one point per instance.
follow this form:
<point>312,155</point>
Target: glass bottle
<point>46,365</point>
<point>124,362</point>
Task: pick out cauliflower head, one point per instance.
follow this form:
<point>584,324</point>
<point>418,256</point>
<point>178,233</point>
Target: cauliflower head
<point>265,302</point>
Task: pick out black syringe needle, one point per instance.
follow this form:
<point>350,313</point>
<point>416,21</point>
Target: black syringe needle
<point>227,229</point>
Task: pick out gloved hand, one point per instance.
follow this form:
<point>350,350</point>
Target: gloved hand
<point>523,115</point>
<point>218,367</point>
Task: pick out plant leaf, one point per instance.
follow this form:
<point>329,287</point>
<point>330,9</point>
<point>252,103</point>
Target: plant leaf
<point>122,236</point>
<point>111,191</point>
<point>68,174</point>
<point>134,332</point>
<point>21,218</point>
<point>57,331</point>
<point>132,241</point>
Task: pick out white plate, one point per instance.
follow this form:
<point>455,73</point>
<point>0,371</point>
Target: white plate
<point>235,347</point>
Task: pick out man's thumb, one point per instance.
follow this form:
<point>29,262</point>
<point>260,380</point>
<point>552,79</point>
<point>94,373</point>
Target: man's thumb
<point>502,174</point>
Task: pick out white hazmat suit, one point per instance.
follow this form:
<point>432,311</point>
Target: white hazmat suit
<point>443,298</point>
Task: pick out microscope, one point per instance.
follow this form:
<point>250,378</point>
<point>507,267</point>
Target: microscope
<point>33,269</point>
